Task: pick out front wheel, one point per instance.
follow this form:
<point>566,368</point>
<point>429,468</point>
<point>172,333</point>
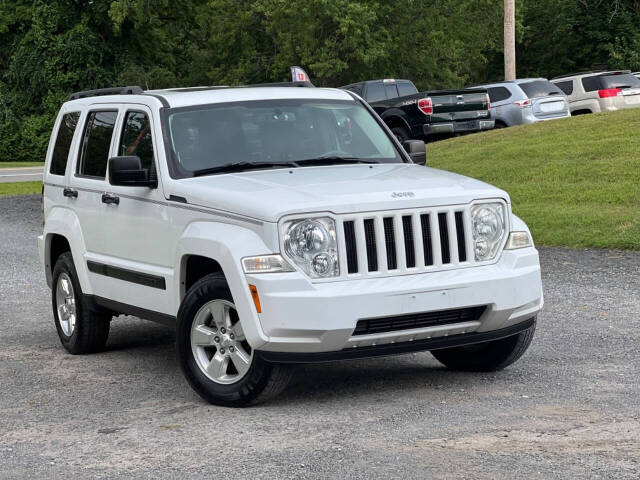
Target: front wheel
<point>487,356</point>
<point>214,354</point>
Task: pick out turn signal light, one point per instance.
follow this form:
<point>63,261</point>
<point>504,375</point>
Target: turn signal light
<point>256,298</point>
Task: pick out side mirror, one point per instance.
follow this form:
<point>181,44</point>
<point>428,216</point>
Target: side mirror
<point>128,172</point>
<point>416,150</point>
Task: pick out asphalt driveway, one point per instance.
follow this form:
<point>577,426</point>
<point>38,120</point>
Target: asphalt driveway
<point>569,408</point>
<point>23,174</point>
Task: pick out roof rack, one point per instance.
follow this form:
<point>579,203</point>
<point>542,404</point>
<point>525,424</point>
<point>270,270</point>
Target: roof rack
<point>592,71</point>
<point>133,90</point>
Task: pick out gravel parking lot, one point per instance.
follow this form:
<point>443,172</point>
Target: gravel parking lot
<point>569,408</point>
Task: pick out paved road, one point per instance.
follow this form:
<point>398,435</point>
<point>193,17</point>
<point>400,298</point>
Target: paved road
<point>569,409</point>
<point>26,174</point>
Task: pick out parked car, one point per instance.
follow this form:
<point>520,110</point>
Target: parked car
<point>419,115</point>
<point>636,74</point>
<point>272,226</point>
<point>601,91</point>
<point>526,100</point>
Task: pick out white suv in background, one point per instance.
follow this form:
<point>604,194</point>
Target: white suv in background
<point>274,225</point>
<point>593,92</point>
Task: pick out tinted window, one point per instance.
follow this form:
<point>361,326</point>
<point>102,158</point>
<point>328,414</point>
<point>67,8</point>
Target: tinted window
<point>136,138</point>
<point>406,88</point>
<point>275,131</point>
<point>540,88</point>
<point>63,143</point>
<point>391,90</point>
<point>566,87</point>
<point>96,143</point>
<point>375,92</point>
<point>591,84</point>
<point>498,94</point>
<point>625,80</point>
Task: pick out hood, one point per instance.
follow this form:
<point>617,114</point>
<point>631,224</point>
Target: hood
<point>270,194</point>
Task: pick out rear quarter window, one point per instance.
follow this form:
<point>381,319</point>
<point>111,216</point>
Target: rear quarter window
<point>62,146</point>
<point>498,94</point>
<point>566,87</point>
<point>591,84</point>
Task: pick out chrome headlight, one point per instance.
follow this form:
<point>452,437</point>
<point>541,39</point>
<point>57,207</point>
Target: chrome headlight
<point>311,244</point>
<point>488,229</point>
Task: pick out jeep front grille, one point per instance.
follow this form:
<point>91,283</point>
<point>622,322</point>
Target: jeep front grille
<point>397,242</point>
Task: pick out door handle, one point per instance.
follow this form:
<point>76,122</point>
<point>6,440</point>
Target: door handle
<point>110,199</point>
<point>70,192</point>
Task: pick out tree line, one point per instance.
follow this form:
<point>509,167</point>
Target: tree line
<point>49,49</point>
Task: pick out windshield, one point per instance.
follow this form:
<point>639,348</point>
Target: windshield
<point>275,132</point>
<point>540,88</point>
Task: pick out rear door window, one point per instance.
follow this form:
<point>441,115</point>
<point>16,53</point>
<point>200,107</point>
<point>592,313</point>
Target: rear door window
<point>136,138</point>
<point>498,94</point>
<point>406,88</point>
<point>566,87</point>
<point>96,143</point>
<point>540,88</point>
<point>375,92</point>
<point>63,143</point>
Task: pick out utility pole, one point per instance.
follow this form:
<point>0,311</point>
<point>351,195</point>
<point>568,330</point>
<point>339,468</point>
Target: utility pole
<point>509,40</point>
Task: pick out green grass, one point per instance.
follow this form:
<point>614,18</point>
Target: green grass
<point>576,181</point>
<point>20,188</point>
<point>20,164</point>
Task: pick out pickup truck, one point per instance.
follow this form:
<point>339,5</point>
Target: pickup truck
<point>421,115</point>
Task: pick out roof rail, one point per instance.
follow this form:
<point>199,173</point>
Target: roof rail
<point>133,90</point>
<point>591,71</point>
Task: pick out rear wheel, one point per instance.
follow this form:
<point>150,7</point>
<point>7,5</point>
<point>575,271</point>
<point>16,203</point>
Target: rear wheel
<point>214,354</point>
<point>487,356</point>
<point>80,329</point>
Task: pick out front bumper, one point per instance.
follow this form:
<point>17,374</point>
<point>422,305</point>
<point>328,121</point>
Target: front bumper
<point>465,126</point>
<point>305,317</point>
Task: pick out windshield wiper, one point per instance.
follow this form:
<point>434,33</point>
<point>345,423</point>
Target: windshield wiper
<point>333,159</point>
<point>555,93</point>
<point>240,166</point>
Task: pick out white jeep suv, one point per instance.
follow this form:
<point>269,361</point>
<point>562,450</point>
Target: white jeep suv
<point>275,225</point>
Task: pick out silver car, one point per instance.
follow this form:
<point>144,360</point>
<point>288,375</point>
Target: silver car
<point>600,91</point>
<point>527,100</point>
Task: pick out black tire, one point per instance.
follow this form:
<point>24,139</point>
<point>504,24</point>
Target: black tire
<point>262,381</point>
<point>488,356</point>
<point>91,328</point>
<point>400,133</point>
<point>499,124</point>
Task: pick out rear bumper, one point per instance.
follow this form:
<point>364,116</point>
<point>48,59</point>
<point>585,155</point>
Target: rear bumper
<point>465,126</point>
